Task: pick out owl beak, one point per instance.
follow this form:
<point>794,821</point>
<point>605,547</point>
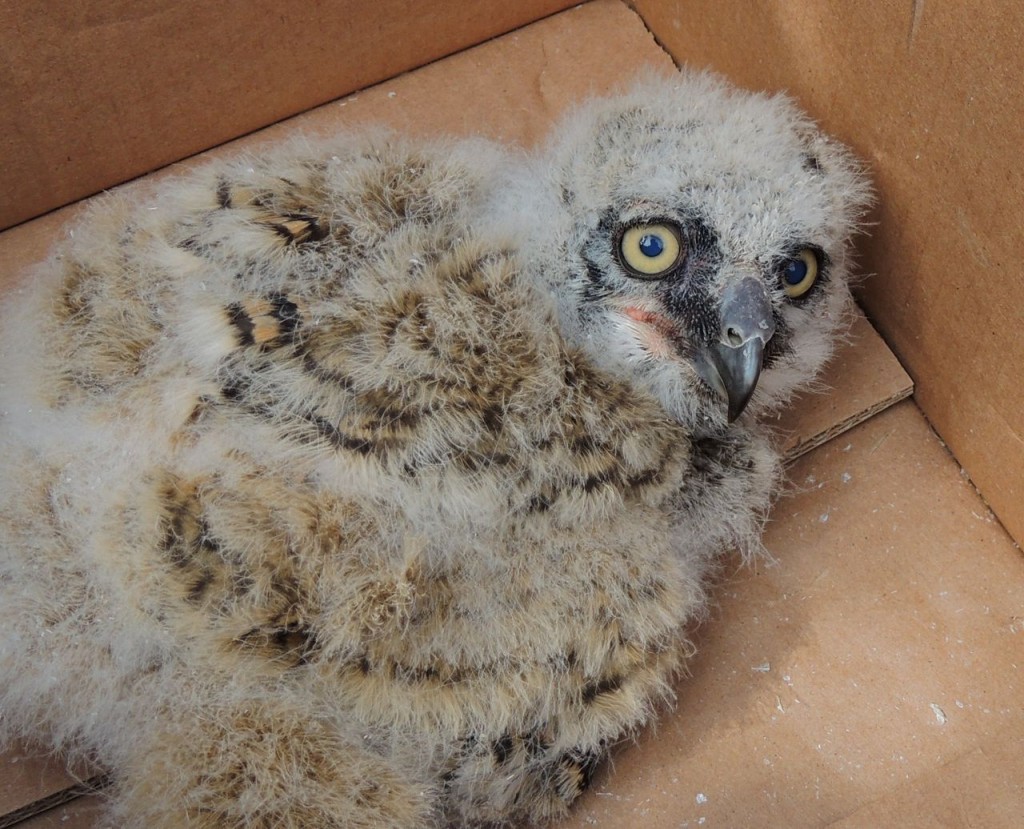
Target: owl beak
<point>732,365</point>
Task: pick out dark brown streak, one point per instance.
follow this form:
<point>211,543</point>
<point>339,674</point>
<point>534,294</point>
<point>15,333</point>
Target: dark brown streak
<point>314,369</point>
<point>238,317</point>
<point>315,232</point>
<point>336,437</point>
<point>198,588</point>
<point>287,314</point>
<point>606,686</point>
<point>281,231</point>
<point>224,194</point>
<point>592,482</point>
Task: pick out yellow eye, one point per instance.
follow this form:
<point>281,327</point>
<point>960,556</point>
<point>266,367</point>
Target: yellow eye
<point>800,273</point>
<point>650,251</point>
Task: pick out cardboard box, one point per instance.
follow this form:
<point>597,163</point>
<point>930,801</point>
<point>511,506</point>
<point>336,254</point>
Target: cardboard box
<point>873,675</point>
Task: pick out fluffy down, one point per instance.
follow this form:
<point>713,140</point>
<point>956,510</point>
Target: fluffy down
<point>338,490</point>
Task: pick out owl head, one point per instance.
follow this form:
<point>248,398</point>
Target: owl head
<point>695,239</point>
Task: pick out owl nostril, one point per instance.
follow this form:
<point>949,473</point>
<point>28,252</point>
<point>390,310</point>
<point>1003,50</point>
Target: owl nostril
<point>746,314</point>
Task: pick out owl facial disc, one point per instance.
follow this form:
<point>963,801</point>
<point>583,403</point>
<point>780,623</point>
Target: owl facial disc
<point>732,365</point>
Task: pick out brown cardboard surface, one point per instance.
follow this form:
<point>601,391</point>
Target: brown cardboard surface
<point>27,777</point>
<point>929,94</point>
<point>981,788</point>
<point>98,91</point>
<point>83,813</point>
<point>862,379</point>
<point>31,781</point>
<point>877,663</point>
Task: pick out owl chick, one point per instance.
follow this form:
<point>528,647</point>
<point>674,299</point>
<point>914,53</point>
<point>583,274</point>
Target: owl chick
<point>376,484</point>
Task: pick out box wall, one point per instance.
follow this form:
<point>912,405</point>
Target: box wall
<point>930,96</point>
<point>96,92</point>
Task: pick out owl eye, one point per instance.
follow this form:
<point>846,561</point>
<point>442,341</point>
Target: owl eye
<point>800,273</point>
<point>650,251</point>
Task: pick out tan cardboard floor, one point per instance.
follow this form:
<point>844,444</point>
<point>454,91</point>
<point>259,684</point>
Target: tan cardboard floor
<point>870,677</point>
<point>83,813</point>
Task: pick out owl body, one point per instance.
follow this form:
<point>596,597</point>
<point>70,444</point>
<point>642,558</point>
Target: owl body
<point>370,483</point>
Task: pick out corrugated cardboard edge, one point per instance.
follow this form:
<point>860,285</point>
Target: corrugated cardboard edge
<point>84,812</point>
<point>54,800</point>
<point>34,780</point>
<point>863,379</point>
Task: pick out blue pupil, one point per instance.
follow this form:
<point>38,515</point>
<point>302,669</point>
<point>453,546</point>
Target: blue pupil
<point>651,246</point>
<point>796,272</point>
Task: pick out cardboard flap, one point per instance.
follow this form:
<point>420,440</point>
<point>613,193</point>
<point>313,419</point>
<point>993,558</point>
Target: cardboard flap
<point>862,379</point>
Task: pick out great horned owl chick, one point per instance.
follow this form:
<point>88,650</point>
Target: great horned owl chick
<point>372,483</point>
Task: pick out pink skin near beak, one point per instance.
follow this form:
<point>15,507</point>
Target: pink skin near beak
<point>732,365</point>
